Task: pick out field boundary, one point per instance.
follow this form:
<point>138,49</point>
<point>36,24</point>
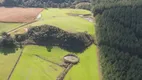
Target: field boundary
<point>21,26</point>
<point>99,65</point>
<point>63,74</point>
<point>21,52</point>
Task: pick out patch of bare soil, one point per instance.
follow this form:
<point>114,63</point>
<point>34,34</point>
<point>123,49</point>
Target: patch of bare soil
<point>20,15</point>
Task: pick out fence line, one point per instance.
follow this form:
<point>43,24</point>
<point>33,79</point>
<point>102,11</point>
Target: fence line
<point>21,26</point>
<point>15,64</point>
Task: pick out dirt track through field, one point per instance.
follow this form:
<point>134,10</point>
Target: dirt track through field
<point>15,64</point>
<point>19,14</point>
<point>21,26</point>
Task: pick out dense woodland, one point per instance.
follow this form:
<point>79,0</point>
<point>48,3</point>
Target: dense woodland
<point>46,35</point>
<point>119,38</point>
<point>43,3</point>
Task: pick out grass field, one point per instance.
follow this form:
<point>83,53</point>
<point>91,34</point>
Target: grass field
<point>4,27</point>
<point>31,67</point>
<point>87,69</point>
<point>7,62</point>
<point>61,19</point>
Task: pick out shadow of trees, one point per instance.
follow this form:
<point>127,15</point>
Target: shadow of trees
<point>7,51</point>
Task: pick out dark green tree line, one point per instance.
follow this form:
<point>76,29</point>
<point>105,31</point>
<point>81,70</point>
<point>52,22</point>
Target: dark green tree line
<point>37,3</point>
<point>41,3</point>
<point>119,37</point>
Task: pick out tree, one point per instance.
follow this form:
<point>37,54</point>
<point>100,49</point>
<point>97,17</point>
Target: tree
<point>20,38</point>
<point>7,41</point>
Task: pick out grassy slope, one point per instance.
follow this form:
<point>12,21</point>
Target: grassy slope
<point>87,69</point>
<point>7,62</point>
<point>8,26</point>
<point>31,67</point>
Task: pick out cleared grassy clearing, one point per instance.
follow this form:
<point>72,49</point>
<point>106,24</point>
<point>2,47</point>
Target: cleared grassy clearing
<point>7,62</point>
<point>4,27</point>
<point>31,67</point>
<point>60,18</point>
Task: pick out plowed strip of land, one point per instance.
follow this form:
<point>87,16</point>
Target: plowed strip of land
<point>19,14</point>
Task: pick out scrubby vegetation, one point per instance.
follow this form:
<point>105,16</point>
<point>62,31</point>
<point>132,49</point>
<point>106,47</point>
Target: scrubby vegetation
<point>52,36</point>
<point>118,35</point>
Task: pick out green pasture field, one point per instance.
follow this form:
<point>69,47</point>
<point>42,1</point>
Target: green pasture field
<point>31,67</point>
<point>88,68</point>
<point>4,27</point>
<point>8,59</point>
<point>61,19</point>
